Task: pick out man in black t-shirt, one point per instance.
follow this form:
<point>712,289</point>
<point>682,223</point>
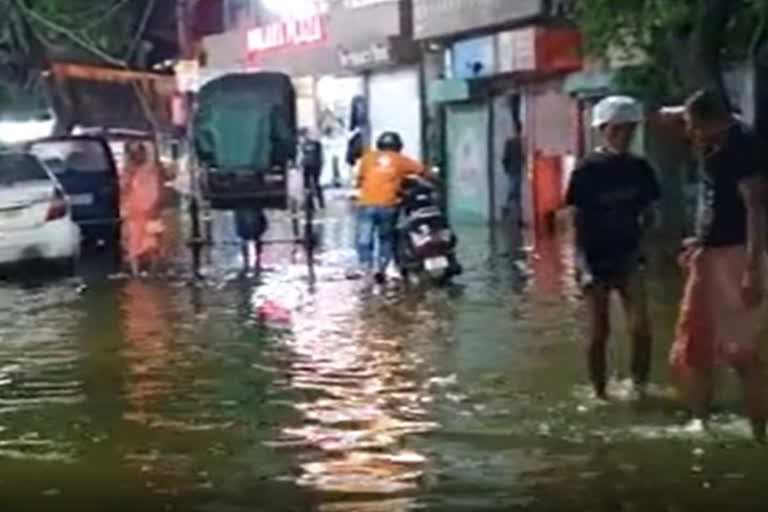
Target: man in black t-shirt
<point>312,161</point>
<point>721,315</point>
<point>513,160</point>
<point>612,192</point>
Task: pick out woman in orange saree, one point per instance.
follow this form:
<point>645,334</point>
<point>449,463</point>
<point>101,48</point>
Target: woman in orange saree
<point>141,194</point>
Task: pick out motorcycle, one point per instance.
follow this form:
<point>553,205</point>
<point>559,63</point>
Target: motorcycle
<point>425,244</point>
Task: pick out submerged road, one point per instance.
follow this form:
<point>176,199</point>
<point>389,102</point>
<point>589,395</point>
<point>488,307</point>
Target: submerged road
<point>157,395</point>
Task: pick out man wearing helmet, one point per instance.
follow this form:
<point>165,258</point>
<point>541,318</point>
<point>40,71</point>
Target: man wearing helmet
<point>612,192</point>
<point>380,178</point>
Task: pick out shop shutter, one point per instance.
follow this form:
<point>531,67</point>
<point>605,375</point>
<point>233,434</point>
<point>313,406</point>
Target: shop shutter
<point>395,105</point>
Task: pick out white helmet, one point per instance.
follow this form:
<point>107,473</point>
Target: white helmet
<point>616,110</point>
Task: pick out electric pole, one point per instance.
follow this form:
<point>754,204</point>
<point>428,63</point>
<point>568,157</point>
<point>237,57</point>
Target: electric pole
<point>186,52</point>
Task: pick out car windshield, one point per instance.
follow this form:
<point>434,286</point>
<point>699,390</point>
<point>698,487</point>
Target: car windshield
<point>18,168</point>
<point>72,155</point>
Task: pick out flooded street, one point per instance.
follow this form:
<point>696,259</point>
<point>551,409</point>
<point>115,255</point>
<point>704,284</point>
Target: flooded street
<point>159,395</point>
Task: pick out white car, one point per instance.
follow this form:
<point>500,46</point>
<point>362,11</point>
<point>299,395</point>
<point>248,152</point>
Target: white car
<point>35,217</point>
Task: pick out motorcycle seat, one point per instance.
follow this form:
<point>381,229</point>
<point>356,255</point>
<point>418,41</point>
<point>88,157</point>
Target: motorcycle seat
<point>425,213</point>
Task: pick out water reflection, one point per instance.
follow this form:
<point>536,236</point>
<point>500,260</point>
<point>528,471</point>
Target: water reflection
<point>552,265</point>
<point>147,334</point>
<point>39,373</point>
<point>359,402</point>
<point>361,399</point>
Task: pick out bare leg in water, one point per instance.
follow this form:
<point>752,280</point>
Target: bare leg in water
<point>598,301</point>
<point>752,375</point>
<point>135,267</point>
<point>246,255</point>
<point>635,303</point>
<point>699,390</point>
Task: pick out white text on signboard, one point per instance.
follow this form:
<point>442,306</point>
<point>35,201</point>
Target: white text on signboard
<point>516,50</point>
<point>374,54</point>
<point>286,34</point>
<point>358,4</point>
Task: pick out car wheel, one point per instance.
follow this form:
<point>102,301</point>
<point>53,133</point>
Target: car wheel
<point>442,281</point>
<point>67,266</point>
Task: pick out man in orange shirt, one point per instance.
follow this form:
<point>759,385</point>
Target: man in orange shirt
<point>381,175</point>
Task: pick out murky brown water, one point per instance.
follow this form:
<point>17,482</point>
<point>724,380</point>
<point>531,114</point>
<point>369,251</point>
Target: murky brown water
<point>141,395</point>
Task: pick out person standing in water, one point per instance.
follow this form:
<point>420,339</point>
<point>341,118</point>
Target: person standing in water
<point>612,193</point>
<point>141,198</point>
<point>513,161</point>
<point>250,225</point>
<point>721,314</point>
<point>312,161</point>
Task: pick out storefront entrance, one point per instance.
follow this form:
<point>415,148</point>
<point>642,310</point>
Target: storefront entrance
<point>467,150</point>
<point>335,95</point>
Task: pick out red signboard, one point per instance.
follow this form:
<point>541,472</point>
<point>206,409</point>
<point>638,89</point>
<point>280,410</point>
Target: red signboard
<point>539,49</point>
<point>289,33</point>
<point>558,49</point>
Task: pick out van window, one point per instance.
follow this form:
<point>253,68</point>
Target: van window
<point>72,155</point>
<point>18,168</point>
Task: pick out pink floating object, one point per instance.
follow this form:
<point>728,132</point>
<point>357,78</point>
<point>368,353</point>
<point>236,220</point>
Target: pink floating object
<point>274,313</point>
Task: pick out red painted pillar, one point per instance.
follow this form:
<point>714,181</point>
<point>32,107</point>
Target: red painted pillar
<point>547,192</point>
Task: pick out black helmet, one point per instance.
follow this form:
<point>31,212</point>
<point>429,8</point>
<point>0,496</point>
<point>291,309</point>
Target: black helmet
<point>389,141</point>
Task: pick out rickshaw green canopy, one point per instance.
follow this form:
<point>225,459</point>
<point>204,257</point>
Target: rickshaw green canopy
<point>246,123</point>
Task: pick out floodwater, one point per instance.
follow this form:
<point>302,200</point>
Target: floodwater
<point>157,395</point>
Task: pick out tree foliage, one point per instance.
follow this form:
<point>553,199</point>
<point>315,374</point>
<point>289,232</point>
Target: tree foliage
<point>686,42</point>
<point>35,32</point>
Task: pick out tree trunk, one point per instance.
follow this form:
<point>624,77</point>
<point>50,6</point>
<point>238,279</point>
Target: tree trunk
<point>760,77</point>
<point>759,56</point>
<point>61,102</point>
<point>705,45</point>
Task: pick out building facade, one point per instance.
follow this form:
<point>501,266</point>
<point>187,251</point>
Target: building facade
<point>457,79</point>
<point>340,53</point>
<point>494,72</point>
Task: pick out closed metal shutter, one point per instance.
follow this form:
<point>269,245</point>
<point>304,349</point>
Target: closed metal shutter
<point>395,105</point>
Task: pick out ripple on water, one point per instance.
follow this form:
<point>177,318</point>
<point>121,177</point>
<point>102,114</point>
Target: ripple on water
<point>40,378</point>
<point>443,400</point>
<point>364,473</point>
<point>30,447</point>
<point>360,399</point>
<point>380,505</point>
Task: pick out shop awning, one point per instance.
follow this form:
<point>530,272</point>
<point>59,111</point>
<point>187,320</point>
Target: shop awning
<point>446,91</point>
<point>115,98</point>
<point>589,84</point>
<point>105,74</point>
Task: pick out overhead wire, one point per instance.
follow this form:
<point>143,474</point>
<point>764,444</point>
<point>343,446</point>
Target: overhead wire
<point>104,17</point>
<point>92,48</point>
<point>93,14</point>
<point>148,10</point>
<point>69,34</point>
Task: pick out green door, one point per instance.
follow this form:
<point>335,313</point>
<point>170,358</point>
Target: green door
<point>467,150</point>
